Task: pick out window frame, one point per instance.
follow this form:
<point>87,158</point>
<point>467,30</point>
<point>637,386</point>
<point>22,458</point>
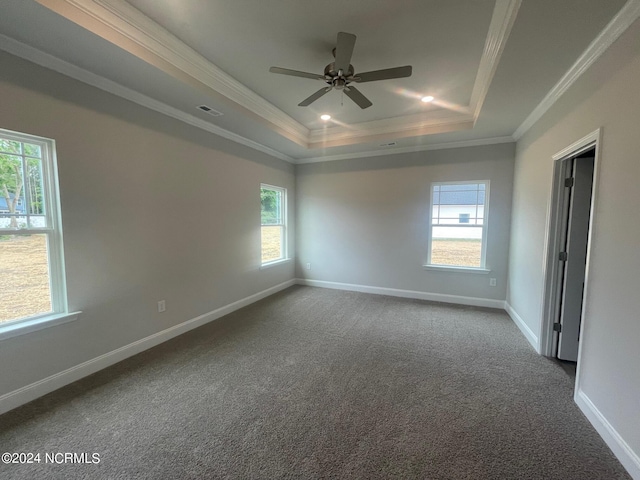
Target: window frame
<point>283,215</point>
<point>55,249</point>
<point>485,226</point>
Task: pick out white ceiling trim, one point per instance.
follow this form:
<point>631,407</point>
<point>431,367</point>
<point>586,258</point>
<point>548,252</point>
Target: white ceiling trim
<point>627,15</point>
<point>128,28</point>
<point>502,19</point>
<point>396,127</point>
<point>46,60</point>
<point>504,16</point>
<point>391,128</point>
<point>49,61</point>
<point>412,149</point>
<point>618,24</point>
<point>125,26</point>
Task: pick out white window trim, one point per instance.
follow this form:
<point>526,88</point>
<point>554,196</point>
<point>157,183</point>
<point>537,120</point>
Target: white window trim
<point>284,246</point>
<point>55,248</point>
<point>274,263</point>
<point>453,268</point>
<point>32,324</point>
<point>485,226</point>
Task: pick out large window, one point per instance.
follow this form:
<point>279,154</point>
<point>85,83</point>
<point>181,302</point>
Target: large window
<point>31,263</point>
<point>273,216</point>
<point>458,229</point>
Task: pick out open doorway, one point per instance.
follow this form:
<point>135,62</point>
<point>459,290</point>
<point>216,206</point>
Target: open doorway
<point>570,221</point>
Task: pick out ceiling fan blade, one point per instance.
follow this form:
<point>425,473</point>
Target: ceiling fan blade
<point>295,73</point>
<point>308,101</point>
<point>354,94</point>
<point>344,50</point>
<point>386,74</point>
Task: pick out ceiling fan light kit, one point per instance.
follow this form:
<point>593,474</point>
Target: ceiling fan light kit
<point>340,74</point>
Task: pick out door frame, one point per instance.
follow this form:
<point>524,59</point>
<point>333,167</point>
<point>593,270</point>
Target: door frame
<point>551,267</point>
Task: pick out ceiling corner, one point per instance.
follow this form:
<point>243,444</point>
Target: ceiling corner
<point>126,27</point>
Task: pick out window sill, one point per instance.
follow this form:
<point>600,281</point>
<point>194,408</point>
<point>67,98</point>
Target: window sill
<point>448,268</point>
<point>274,263</point>
<point>14,329</point>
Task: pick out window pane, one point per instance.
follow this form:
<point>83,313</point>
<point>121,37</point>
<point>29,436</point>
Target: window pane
<point>24,276</point>
<point>456,246</point>
<point>466,197</point>
<point>451,213</point>
<point>271,206</point>
<point>35,187</point>
<point>459,187</point>
<point>12,221</point>
<point>32,150</point>
<point>9,146</point>
<point>271,243</point>
<point>11,186</point>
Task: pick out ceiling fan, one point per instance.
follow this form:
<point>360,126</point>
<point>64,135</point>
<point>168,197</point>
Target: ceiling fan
<point>340,74</point>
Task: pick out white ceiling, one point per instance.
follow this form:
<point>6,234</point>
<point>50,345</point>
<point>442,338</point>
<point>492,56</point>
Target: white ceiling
<point>488,63</point>
<point>301,35</point>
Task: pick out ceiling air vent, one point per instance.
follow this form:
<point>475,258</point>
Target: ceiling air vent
<point>390,144</point>
<point>210,110</point>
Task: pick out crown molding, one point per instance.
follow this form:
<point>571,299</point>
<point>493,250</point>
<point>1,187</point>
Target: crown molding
<point>440,127</point>
<point>618,24</point>
<point>53,63</point>
<point>412,149</point>
<point>398,127</point>
<point>118,22</point>
<point>504,16</point>
<point>123,25</point>
<point>46,60</point>
<point>502,20</point>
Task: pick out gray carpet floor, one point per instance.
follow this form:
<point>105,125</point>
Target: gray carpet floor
<point>316,383</point>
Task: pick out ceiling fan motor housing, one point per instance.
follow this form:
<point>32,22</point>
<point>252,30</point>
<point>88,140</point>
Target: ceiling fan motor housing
<point>337,81</point>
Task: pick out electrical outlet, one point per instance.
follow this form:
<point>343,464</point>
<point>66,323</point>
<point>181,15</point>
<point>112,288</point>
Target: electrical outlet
<point>493,282</point>
<point>308,265</point>
<point>161,306</point>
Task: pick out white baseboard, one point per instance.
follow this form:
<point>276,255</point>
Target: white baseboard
<point>628,458</point>
<point>435,297</point>
<point>524,328</point>
<point>30,392</point>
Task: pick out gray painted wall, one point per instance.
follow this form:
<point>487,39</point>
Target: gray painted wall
<point>365,221</point>
<point>152,209</point>
<point>606,96</point>
<point>359,221</point>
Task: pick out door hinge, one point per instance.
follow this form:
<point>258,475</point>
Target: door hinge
<point>568,182</point>
<point>557,327</point>
<point>562,256</point>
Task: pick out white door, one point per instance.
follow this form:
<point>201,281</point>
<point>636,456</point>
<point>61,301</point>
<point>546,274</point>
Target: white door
<point>574,257</point>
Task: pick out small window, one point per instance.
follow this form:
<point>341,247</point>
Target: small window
<point>32,279</point>
<point>273,223</point>
<point>457,234</point>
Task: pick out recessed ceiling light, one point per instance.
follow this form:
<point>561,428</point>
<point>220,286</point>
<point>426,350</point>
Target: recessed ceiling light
<point>427,99</point>
<point>325,117</point>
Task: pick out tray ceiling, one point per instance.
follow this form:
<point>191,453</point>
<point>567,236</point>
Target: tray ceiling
<point>188,53</point>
